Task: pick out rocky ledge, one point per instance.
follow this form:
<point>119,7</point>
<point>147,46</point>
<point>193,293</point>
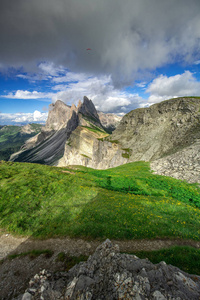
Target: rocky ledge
<point>107,274</point>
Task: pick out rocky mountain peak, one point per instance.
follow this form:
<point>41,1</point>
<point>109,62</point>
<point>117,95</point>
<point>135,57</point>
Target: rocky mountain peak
<point>59,114</point>
<point>88,109</point>
<point>79,104</point>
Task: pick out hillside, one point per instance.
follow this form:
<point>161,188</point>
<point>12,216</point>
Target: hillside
<point>127,202</point>
<point>13,137</point>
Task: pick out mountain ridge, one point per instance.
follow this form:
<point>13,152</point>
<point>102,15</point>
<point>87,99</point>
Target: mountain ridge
<point>75,135</point>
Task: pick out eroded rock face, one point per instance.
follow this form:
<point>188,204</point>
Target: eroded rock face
<point>160,130</point>
<point>184,164</point>
<point>59,115</point>
<point>110,275</point>
<point>86,148</point>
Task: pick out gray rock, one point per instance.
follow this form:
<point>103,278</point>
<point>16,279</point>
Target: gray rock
<point>110,275</point>
<point>27,296</point>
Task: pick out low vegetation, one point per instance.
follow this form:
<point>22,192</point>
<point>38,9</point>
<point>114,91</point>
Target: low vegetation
<point>185,258</point>
<point>127,202</point>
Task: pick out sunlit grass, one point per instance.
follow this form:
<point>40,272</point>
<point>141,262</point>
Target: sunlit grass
<point>128,202</point>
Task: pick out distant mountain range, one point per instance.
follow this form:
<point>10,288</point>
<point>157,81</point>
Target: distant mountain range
<point>167,134</point>
<point>13,137</point>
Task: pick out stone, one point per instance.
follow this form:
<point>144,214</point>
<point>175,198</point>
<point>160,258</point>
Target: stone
<point>27,296</point>
<point>110,275</point>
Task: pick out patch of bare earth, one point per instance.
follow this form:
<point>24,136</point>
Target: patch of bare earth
<point>16,273</point>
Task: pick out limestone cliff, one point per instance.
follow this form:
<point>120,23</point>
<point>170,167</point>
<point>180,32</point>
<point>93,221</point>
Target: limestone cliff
<point>86,147</point>
<point>184,164</point>
<point>59,115</point>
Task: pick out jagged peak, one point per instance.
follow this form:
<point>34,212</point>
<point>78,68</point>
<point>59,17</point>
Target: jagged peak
<point>87,108</point>
<point>60,103</point>
<point>79,104</point>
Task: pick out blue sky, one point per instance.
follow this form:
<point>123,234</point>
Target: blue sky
<point>141,53</point>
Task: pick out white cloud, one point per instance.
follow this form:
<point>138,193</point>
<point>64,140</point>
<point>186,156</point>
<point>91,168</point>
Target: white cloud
<point>20,94</point>
<point>70,87</point>
<point>197,62</point>
<point>50,69</point>
<point>70,77</point>
<point>164,87</point>
<point>23,118</point>
<point>100,90</point>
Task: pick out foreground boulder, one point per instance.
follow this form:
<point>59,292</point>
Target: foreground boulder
<point>107,274</point>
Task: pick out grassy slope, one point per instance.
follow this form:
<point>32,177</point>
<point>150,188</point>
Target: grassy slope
<point>125,202</point>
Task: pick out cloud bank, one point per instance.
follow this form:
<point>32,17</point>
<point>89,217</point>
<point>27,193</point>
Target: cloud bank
<point>127,38</point>
<point>164,87</point>
<point>23,118</point>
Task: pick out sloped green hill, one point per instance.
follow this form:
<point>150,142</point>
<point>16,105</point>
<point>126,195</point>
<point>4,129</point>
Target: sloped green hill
<point>127,202</point>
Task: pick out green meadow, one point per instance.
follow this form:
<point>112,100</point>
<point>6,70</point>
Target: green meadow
<point>127,202</point>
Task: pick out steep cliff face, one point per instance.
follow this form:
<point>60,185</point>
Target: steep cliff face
<point>59,115</point>
<point>160,130</point>
<point>86,147</point>
<point>48,146</point>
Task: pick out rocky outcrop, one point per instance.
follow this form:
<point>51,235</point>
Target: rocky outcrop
<point>88,110</point>
<point>184,164</point>
<point>107,274</point>
<point>161,129</point>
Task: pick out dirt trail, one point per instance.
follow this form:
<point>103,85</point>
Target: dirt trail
<point>10,244</point>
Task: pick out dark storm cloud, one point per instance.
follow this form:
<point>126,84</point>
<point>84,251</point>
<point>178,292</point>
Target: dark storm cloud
<point>126,37</point>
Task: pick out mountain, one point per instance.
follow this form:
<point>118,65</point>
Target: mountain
<point>49,145</point>
<point>160,130</point>
<point>167,133</point>
<point>161,133</point>
<point>13,137</point>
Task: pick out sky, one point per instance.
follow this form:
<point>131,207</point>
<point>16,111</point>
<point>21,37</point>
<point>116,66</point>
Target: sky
<point>120,54</point>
